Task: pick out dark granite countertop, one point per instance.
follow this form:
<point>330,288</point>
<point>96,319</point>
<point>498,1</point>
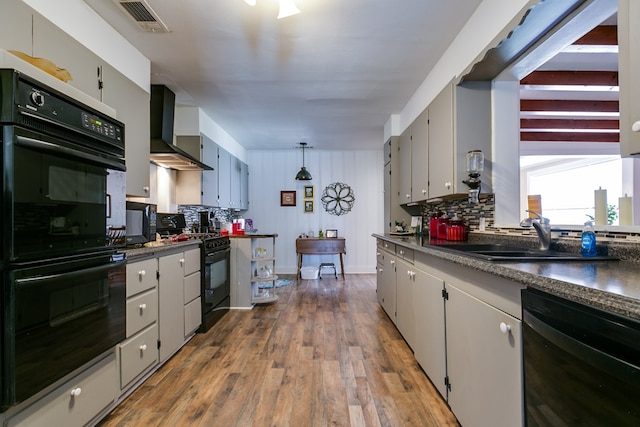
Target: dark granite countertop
<point>610,285</point>
<point>136,254</point>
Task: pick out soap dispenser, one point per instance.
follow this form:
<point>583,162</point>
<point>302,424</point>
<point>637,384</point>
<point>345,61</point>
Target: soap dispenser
<point>588,240</point>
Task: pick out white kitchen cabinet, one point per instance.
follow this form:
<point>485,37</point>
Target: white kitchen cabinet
<point>76,402</point>
<point>244,186</point>
<point>224,176</point>
<point>191,292</point>
<point>459,121</point>
<point>405,283</point>
<point>234,182</point>
<point>484,362</point>
<point>413,151</point>
<point>52,43</point>
<point>171,305</point>
<point>132,105</point>
<point>628,74</point>
<point>16,31</point>
<point>198,187</point>
<point>386,280</point>
<point>429,328</point>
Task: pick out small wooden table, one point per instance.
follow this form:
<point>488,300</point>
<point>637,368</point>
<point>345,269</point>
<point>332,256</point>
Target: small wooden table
<point>321,246</point>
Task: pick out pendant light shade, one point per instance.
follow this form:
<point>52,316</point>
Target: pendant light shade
<point>303,173</point>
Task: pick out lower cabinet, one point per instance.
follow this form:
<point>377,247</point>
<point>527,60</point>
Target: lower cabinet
<point>464,328</point>
<point>138,354</point>
<point>75,403</point>
<point>484,357</point>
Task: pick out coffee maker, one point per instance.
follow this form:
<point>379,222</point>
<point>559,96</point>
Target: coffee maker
<point>205,222</point>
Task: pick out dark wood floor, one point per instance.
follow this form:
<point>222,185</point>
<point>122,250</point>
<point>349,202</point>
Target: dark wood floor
<point>324,354</point>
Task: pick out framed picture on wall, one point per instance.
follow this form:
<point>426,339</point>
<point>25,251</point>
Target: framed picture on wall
<point>308,191</point>
<point>332,234</point>
<point>308,206</point>
<point>288,198</point>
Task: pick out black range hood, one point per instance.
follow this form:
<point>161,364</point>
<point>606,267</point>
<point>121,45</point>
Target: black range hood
<point>163,152</point>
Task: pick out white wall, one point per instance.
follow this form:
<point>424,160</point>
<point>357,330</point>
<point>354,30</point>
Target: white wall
<point>273,171</point>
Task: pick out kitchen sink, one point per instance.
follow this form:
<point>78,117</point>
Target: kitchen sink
<point>502,252</point>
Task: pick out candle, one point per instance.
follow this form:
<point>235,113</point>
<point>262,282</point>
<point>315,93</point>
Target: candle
<point>601,206</point>
<point>625,206</point>
<point>534,203</point>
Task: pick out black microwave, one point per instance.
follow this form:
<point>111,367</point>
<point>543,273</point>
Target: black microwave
<point>141,223</point>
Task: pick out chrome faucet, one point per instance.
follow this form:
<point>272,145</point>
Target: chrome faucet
<point>542,226</point>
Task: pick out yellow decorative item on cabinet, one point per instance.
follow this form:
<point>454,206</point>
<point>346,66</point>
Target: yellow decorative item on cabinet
<point>45,65</point>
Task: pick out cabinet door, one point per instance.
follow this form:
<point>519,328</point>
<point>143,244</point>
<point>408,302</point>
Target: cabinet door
<point>484,363</point>
<point>405,275</point>
<point>428,309</point>
<point>244,186</point>
<point>404,175</point>
<point>236,171</point>
<point>224,178</point>
<point>131,103</point>
<point>210,178</point>
<point>420,157</point>
<point>171,305</point>
<point>50,42</point>
<point>629,69</point>
<point>387,197</point>
<point>441,144</point>
<point>389,286</point>
<point>16,30</point>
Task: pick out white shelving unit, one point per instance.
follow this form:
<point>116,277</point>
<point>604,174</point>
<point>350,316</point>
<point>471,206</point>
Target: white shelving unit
<point>246,262</point>
<point>260,261</point>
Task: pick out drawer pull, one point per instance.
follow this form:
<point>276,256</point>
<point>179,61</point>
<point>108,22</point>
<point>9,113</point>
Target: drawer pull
<point>143,307</point>
<point>143,347</point>
<point>181,261</point>
<point>504,328</point>
<point>636,126</point>
<point>76,392</point>
<point>142,273</point>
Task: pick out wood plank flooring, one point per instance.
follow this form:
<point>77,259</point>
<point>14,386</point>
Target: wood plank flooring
<point>325,354</point>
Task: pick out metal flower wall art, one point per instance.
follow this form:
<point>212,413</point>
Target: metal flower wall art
<point>338,199</point>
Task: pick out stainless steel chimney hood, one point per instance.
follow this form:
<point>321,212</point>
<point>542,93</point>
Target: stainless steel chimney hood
<point>162,150</point>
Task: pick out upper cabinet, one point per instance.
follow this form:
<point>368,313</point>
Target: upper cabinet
<point>459,121</point>
<point>412,155</point>
<point>628,72</point>
<point>198,187</point>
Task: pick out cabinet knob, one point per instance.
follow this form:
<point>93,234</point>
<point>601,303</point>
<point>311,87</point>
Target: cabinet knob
<point>636,126</point>
<point>504,328</point>
<point>143,347</point>
<point>76,392</point>
<point>143,307</point>
<point>424,192</point>
<point>181,261</point>
<point>145,188</point>
<point>392,262</point>
<point>447,185</point>
<point>142,273</point>
<point>408,196</point>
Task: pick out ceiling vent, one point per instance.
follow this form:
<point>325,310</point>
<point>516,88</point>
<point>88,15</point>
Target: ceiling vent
<point>143,15</point>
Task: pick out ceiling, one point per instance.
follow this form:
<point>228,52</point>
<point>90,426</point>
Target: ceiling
<point>331,75</point>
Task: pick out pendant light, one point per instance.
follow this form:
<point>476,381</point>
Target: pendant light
<point>287,8</point>
<point>303,173</point>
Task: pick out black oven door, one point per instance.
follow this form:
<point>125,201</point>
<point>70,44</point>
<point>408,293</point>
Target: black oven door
<point>56,318</point>
<point>216,283</point>
<point>55,196</point>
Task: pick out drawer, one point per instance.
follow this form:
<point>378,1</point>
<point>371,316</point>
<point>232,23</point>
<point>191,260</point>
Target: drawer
<point>387,246</point>
<point>76,402</point>
<point>192,316</point>
<point>191,287</point>
<point>191,261</point>
<point>404,253</point>
<point>141,276</point>
<point>142,310</point>
<point>137,354</point>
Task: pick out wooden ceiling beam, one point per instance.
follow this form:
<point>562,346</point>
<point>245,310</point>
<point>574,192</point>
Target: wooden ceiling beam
<point>570,136</point>
<point>569,105</point>
<point>582,78</point>
<point>602,35</point>
<point>585,124</point>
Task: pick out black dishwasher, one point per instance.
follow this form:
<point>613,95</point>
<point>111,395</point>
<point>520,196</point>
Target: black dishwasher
<point>581,364</point>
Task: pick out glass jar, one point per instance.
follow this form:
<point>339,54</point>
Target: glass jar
<point>456,230</point>
<point>443,222</point>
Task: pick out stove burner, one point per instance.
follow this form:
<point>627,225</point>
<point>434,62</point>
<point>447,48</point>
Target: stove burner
<point>216,244</point>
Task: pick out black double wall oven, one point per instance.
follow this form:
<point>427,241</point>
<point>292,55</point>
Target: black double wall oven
<point>63,290</point>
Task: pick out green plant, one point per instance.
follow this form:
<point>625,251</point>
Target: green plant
<point>612,214</point>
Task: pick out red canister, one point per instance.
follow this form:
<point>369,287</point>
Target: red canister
<point>456,230</point>
<point>443,222</point>
<point>433,225</point>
